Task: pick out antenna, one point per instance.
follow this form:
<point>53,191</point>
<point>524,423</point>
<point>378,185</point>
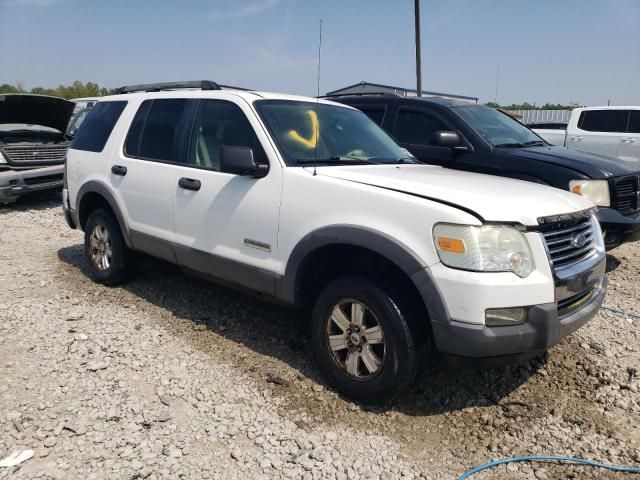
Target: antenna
<point>495,100</point>
<point>317,124</point>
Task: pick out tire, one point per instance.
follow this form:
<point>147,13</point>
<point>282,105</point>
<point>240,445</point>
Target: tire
<point>103,237</point>
<point>399,355</point>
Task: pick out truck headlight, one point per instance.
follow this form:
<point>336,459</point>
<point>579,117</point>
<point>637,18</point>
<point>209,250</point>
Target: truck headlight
<point>595,190</point>
<point>489,248</point>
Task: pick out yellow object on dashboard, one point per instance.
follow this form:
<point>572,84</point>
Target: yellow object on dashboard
<point>315,132</point>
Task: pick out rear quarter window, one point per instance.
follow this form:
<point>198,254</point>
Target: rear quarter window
<point>603,120</point>
<point>96,128</point>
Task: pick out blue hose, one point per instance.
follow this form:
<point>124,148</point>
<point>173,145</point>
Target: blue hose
<point>545,458</point>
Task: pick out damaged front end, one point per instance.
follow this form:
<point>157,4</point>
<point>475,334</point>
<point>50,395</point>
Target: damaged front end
<point>33,144</point>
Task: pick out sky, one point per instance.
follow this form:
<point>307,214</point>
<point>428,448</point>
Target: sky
<point>583,51</point>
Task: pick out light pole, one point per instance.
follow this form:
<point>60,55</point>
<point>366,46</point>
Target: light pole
<point>418,61</point>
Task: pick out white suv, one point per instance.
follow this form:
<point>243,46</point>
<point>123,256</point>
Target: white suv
<point>309,202</point>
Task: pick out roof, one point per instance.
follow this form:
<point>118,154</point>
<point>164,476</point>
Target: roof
<point>248,95</point>
<point>392,87</point>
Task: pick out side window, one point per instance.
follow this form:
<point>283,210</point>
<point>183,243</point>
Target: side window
<point>634,121</point>
<point>134,137</point>
<point>603,120</point>
<point>417,127</point>
<point>375,113</point>
<point>160,136</point>
<point>218,124</point>
<point>97,126</point>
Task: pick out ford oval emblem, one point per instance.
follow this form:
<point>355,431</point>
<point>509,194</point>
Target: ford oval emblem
<point>579,240</point>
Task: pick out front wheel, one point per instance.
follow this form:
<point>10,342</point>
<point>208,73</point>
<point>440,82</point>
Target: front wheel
<point>105,249</point>
<point>362,340</point>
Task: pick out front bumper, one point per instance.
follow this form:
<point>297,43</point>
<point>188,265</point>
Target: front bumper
<point>579,295</point>
<point>15,183</point>
<point>618,228</point>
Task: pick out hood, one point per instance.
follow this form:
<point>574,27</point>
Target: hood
<point>52,112</point>
<point>495,199</point>
<point>591,164</point>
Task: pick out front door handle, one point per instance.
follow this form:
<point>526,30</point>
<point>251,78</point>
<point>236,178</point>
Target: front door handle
<point>628,140</point>
<point>119,170</point>
<point>189,184</point>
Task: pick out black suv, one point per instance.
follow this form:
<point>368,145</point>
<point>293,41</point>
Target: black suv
<point>476,138</point>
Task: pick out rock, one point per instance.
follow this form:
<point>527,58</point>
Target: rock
<point>50,442</point>
<point>96,365</point>
<point>278,380</point>
<point>331,436</point>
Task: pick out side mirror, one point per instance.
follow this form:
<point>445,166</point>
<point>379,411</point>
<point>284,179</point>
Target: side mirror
<point>239,160</point>
<point>449,140</point>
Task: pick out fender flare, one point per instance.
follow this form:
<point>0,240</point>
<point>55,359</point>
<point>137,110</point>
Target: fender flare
<point>288,288</point>
<point>95,186</point>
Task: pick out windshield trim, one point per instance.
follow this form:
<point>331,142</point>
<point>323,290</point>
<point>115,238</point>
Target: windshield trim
<point>456,108</point>
<point>291,162</point>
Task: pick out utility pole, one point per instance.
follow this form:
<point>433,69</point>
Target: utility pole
<point>418,60</point>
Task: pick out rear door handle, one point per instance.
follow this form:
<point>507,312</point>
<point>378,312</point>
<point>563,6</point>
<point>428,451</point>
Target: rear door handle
<point>628,140</point>
<point>119,170</point>
<point>576,139</point>
<point>189,184</point>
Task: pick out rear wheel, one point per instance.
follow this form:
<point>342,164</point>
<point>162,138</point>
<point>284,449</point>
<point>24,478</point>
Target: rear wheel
<point>362,340</point>
<point>105,248</point>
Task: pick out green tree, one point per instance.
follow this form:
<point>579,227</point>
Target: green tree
<point>76,90</point>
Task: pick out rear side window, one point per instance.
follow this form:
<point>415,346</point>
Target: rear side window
<point>417,127</point>
<point>603,120</point>
<point>154,132</point>
<point>97,126</point>
<point>374,113</point>
<point>634,121</point>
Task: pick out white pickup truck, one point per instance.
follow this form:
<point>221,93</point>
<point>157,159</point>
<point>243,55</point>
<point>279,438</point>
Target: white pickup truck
<point>611,131</point>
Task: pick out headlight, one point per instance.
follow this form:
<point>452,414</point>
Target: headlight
<point>2,159</point>
<point>595,190</point>
<point>490,248</point>
<point>598,239</point>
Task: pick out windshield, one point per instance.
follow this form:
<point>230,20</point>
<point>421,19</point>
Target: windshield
<point>308,133</point>
<point>497,128</point>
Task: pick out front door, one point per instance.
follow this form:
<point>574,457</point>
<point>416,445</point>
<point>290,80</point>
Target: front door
<point>226,224</point>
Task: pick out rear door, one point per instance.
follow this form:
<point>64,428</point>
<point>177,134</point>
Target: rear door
<point>376,112</point>
<point>142,172</point>
<point>629,147</point>
<point>598,131</point>
<point>226,224</point>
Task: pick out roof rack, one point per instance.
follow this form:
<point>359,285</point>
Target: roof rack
<point>157,87</point>
<point>361,94</point>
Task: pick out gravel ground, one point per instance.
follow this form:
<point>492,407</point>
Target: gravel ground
<point>172,377</point>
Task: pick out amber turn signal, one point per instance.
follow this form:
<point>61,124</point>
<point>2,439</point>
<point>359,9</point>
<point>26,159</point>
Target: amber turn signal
<point>452,245</point>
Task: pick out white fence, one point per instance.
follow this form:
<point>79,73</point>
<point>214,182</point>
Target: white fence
<point>539,116</point>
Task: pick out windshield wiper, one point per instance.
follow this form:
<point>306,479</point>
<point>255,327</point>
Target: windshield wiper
<point>510,145</point>
<point>534,143</point>
<point>336,160</point>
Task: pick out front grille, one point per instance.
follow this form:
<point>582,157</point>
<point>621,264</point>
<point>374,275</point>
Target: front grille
<point>44,179</point>
<point>625,193</point>
<point>569,241</point>
<point>35,154</point>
